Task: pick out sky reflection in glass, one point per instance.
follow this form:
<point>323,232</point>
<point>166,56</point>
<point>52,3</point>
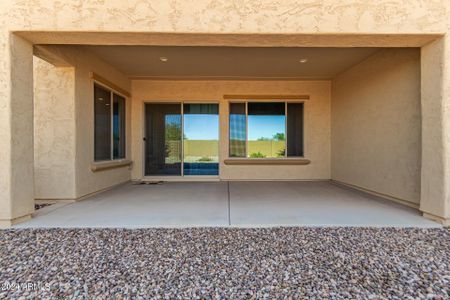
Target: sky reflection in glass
<point>201,127</point>
<point>265,126</point>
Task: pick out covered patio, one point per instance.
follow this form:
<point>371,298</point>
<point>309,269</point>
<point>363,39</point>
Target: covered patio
<point>228,204</point>
<point>265,122</point>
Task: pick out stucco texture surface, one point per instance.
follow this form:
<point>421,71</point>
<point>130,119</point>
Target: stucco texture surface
<point>229,16</point>
<point>316,132</point>
<point>435,102</point>
<point>82,155</point>
<point>376,124</point>
<point>349,18</point>
<point>54,131</point>
<point>16,129</point>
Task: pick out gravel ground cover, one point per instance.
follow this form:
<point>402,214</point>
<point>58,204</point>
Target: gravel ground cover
<point>289,263</point>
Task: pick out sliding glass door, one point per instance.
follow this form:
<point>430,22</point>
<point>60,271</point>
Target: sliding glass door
<point>181,139</point>
<point>201,139</point>
<point>163,144</point>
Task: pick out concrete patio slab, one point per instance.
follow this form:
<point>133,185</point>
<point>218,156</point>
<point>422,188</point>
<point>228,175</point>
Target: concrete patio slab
<point>315,204</point>
<point>221,204</point>
<point>188,204</point>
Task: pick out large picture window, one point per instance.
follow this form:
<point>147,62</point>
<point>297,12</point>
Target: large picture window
<point>109,124</point>
<point>266,129</point>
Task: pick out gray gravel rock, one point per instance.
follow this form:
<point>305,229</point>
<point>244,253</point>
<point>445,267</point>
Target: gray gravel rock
<point>217,263</point>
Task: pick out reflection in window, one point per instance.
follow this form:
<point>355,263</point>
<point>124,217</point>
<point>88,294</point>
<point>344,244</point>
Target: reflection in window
<point>163,139</point>
<point>266,129</point>
<point>295,129</point>
<point>238,133</point>
<point>119,126</point>
<point>102,123</point>
<point>172,139</point>
<point>108,106</point>
<point>201,139</point>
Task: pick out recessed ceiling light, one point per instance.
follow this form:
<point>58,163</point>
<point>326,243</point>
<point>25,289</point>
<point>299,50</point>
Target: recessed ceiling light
<point>163,59</point>
<point>303,60</point>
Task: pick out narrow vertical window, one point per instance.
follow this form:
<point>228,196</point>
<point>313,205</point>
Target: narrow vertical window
<point>109,124</point>
<point>238,131</point>
<point>118,126</point>
<point>294,129</point>
<point>102,123</point>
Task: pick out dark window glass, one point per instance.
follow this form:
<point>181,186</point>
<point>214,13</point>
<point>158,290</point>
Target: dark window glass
<point>266,108</point>
<point>118,126</point>
<point>201,109</point>
<point>163,139</point>
<point>237,130</point>
<point>266,129</point>
<point>295,129</point>
<point>201,139</point>
<point>102,123</point>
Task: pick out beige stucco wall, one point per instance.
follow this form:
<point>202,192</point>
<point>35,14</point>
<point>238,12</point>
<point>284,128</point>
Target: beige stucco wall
<point>16,130</point>
<point>230,16</point>
<point>54,131</point>
<point>377,22</point>
<point>87,181</point>
<point>376,124</point>
<point>435,94</point>
<point>317,122</point>
<point>84,63</point>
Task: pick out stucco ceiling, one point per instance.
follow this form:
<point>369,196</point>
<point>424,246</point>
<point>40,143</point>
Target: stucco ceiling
<point>230,62</point>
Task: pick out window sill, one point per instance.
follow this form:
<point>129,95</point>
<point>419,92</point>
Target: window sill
<point>267,161</point>
<point>110,164</point>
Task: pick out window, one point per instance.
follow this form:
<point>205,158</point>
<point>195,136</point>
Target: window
<point>182,139</point>
<point>238,132</point>
<point>163,139</point>
<point>294,129</point>
<point>109,124</point>
<point>200,139</point>
<point>266,126</point>
<point>118,126</point>
<point>266,129</point>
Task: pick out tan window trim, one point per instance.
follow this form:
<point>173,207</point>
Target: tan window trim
<point>108,83</point>
<point>266,97</point>
<point>110,164</point>
<point>267,161</point>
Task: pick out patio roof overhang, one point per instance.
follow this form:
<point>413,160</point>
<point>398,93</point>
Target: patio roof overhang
<point>231,39</point>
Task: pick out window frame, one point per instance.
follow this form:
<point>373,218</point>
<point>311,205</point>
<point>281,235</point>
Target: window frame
<point>180,102</point>
<point>229,128</point>
<point>286,102</point>
<point>111,91</point>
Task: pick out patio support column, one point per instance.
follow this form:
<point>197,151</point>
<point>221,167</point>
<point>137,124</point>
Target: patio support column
<point>16,129</point>
<point>435,86</point>
<point>54,128</point>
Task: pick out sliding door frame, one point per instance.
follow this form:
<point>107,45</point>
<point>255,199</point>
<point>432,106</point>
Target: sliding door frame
<point>181,177</point>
